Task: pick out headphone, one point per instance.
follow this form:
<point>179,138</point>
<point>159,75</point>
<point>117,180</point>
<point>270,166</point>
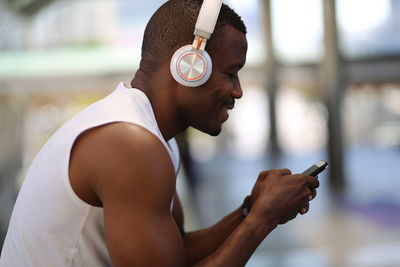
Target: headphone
<point>191,65</point>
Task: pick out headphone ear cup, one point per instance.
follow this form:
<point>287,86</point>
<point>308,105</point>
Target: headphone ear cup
<point>191,67</point>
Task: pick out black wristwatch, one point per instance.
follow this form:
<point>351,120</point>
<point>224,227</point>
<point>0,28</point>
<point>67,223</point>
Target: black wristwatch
<point>246,206</point>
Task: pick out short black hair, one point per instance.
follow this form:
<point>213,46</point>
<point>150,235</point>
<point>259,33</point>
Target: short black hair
<point>172,27</point>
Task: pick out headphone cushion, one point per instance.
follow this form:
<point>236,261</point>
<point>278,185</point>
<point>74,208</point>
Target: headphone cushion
<point>191,67</point>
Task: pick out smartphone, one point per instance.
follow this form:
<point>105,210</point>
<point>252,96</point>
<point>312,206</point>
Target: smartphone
<point>317,168</point>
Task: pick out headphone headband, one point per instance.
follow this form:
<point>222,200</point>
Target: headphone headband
<point>207,18</point>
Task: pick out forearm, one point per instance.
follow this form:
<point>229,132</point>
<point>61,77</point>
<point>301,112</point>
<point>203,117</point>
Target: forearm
<point>200,244</point>
<point>240,244</point>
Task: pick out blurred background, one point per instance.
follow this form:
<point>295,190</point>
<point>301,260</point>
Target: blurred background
<point>322,81</point>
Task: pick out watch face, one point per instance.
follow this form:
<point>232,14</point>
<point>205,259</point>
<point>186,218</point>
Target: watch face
<point>245,211</point>
<point>246,206</point>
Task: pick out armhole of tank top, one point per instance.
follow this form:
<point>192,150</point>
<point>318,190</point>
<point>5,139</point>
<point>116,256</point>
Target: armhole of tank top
<point>74,197</point>
<point>175,155</point>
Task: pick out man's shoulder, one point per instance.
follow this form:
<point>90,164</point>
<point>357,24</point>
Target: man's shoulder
<point>126,132</point>
<point>120,140</point>
<point>119,153</point>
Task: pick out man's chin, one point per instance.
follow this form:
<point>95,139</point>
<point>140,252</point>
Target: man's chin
<point>215,133</point>
<point>212,132</point>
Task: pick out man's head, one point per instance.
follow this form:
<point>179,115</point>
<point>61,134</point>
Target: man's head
<point>171,27</point>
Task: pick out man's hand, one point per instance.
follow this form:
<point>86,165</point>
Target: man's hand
<point>280,196</point>
<point>255,192</point>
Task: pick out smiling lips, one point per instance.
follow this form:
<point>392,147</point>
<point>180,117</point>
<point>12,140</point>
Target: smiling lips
<point>230,105</point>
<point>226,108</point>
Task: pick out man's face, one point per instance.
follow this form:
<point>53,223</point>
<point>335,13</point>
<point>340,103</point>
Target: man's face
<point>206,107</point>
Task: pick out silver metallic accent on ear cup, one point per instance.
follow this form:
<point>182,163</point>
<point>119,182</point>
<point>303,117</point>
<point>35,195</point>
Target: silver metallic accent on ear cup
<point>191,67</point>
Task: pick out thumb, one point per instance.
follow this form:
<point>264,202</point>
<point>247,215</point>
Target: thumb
<point>263,175</point>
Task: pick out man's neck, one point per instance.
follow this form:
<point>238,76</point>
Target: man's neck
<point>161,96</point>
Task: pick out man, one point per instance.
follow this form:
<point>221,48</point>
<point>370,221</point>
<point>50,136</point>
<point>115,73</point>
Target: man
<point>101,192</point>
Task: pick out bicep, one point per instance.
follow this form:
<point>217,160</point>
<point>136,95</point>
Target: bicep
<point>177,213</point>
<point>135,181</point>
<point>144,239</point>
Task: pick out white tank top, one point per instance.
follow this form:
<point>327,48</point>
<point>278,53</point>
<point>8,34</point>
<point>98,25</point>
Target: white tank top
<point>50,225</point>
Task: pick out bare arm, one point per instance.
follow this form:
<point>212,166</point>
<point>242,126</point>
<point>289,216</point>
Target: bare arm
<point>202,243</point>
<point>237,236</point>
<point>131,174</point>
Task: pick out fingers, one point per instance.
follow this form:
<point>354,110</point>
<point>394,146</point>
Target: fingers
<point>305,208</point>
<point>313,194</point>
<point>281,172</point>
<point>277,172</point>
<point>285,172</point>
<point>309,181</point>
<point>263,175</point>
<point>313,182</point>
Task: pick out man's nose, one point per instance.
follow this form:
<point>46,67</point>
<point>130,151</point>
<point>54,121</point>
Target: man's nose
<point>237,90</point>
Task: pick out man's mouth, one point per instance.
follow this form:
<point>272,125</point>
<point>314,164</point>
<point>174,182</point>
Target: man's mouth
<point>229,106</point>
<point>226,109</point>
